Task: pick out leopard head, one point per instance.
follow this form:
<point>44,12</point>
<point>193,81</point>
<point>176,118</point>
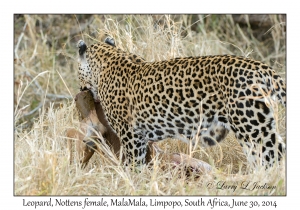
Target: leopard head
<point>87,78</point>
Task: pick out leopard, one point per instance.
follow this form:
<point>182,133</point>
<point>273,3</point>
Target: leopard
<point>197,100</point>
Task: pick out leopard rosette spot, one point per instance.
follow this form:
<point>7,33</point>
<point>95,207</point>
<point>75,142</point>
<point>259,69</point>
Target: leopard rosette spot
<point>156,100</point>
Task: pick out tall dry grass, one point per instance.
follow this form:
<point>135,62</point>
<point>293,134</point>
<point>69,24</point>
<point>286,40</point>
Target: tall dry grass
<point>45,81</point>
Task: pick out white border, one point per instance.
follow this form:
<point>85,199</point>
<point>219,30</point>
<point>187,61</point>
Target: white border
<point>8,201</point>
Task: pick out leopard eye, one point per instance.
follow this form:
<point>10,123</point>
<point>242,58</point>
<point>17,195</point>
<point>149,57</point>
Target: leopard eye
<point>110,41</point>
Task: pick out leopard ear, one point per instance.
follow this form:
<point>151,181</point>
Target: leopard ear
<point>82,47</point>
<point>110,41</point>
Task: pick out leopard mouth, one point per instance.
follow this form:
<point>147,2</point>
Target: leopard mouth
<point>84,88</point>
<point>95,96</point>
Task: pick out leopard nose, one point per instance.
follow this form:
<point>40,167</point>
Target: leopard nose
<point>82,47</point>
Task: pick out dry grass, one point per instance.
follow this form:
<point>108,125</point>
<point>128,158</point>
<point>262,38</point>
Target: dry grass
<point>45,77</point>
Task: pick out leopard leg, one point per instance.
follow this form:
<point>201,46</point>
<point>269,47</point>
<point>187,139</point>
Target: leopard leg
<point>213,134</point>
<point>257,135</point>
<point>134,147</point>
<point>214,128</point>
